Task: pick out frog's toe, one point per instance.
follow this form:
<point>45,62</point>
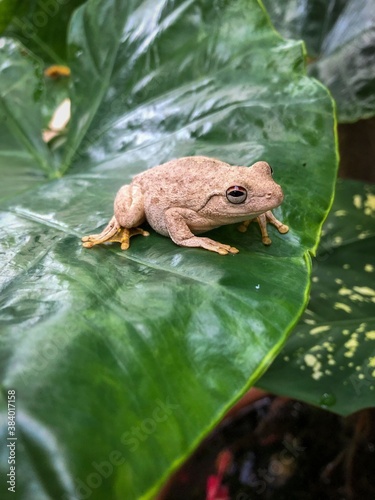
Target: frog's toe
<point>122,235</point>
<point>233,250</point>
<point>220,248</point>
<point>243,227</point>
<point>93,239</point>
<point>87,243</point>
<point>283,228</point>
<point>266,240</point>
<point>225,249</point>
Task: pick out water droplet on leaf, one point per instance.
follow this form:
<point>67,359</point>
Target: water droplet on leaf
<point>327,400</point>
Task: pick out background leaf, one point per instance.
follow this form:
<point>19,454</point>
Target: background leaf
<point>20,100</point>
<point>330,359</point>
<point>140,353</point>
<point>339,36</point>
<point>41,25</point>
<point>7,10</point>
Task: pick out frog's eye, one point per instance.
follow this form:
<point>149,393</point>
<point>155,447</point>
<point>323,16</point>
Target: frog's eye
<point>236,194</point>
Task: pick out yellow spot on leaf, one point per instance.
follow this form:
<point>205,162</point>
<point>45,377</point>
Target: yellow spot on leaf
<point>352,343</point>
<point>361,328</point>
<point>310,360</point>
<point>316,365</point>
<point>371,361</point>
<point>355,297</point>
<point>343,307</point>
<point>351,346</point>
<point>357,201</point>
<point>328,346</point>
<point>370,204</point>
<point>319,329</point>
<point>310,321</point>
<point>363,235</point>
<point>370,335</point>
<point>365,290</point>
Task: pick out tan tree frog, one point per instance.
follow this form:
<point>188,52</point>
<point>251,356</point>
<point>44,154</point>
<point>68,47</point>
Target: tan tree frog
<point>191,195</point>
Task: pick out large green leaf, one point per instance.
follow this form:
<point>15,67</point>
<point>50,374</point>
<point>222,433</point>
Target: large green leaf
<point>330,359</point>
<point>340,37</point>
<point>42,26</point>
<point>123,361</point>
<point>7,11</point>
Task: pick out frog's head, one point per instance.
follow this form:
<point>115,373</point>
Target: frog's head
<point>259,191</point>
<point>246,192</point>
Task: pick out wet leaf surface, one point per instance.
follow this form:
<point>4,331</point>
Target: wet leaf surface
<point>330,358</point>
<point>339,37</point>
<point>139,353</point>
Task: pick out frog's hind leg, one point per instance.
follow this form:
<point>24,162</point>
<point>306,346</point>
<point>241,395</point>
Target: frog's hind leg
<point>129,214</point>
<point>113,233</point>
<point>108,232</point>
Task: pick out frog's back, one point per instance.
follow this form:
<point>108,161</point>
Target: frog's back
<point>184,171</point>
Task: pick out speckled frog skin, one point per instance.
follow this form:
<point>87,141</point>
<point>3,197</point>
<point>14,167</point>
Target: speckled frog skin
<point>191,195</point>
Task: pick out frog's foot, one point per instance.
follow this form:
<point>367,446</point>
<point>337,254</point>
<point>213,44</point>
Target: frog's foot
<point>208,244</point>
<point>262,221</point>
<point>113,233</point>
<point>123,236</point>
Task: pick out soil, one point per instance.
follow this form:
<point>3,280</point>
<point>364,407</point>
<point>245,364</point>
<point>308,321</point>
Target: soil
<point>278,448</point>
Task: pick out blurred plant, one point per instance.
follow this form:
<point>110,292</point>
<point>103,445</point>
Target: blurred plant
<point>340,40</point>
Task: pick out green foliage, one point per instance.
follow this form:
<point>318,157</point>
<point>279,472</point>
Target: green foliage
<point>330,358</point>
<point>7,10</point>
<point>140,353</point>
<point>340,38</point>
<point>41,25</point>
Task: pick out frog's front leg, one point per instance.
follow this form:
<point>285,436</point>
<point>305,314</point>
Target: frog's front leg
<point>178,221</point>
<point>129,213</point>
<point>262,221</point>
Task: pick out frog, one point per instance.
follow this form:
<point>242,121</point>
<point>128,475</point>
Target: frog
<point>188,196</point>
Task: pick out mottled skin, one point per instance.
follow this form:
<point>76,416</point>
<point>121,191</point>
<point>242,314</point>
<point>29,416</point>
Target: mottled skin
<point>191,195</point>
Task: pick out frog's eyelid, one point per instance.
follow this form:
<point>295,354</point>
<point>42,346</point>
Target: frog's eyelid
<point>236,194</point>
